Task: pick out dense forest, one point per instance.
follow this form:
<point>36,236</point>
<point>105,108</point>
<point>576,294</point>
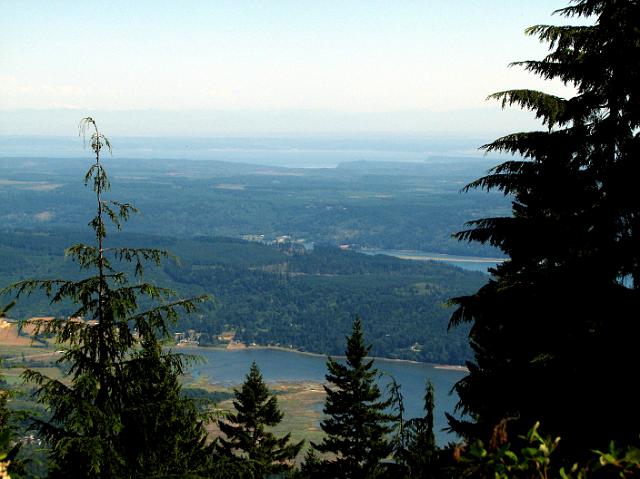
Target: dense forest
<point>278,296</point>
<point>383,205</point>
<point>550,391</point>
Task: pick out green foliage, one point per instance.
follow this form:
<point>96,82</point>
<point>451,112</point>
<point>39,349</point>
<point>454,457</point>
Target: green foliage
<point>270,296</point>
<point>163,429</point>
<point>199,395</point>
<point>9,444</point>
<point>357,423</point>
<point>120,413</point>
<point>247,440</point>
<point>534,456</point>
<point>501,460</point>
<point>616,462</point>
<point>416,449</point>
<point>556,315</point>
<point>392,205</point>
<point>312,467</point>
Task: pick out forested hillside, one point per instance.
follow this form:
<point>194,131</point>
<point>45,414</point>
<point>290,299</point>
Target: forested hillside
<point>268,255</point>
<point>380,205</point>
<point>270,296</point>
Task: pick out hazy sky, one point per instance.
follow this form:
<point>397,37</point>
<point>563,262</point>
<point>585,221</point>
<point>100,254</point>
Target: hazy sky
<point>343,64</point>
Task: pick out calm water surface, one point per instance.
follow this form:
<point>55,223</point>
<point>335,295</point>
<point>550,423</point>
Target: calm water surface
<point>228,368</point>
<point>470,263</point>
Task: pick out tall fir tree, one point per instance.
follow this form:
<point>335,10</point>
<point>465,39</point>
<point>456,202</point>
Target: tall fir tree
<point>247,438</point>
<point>121,387</point>
<point>357,422</point>
<point>418,450</point>
<point>553,331</point>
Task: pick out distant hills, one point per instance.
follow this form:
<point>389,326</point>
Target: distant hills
<point>285,295</point>
<point>392,205</point>
<point>277,295</point>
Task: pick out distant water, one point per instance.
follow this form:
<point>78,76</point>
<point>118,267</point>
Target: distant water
<point>228,368</point>
<point>470,263</point>
<point>292,152</point>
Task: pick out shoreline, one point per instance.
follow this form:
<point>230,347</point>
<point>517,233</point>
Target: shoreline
<point>450,260</point>
<point>426,256</point>
<point>448,367</point>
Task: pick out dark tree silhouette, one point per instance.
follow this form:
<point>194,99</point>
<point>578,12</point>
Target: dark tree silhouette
<point>418,450</point>
<point>554,331</point>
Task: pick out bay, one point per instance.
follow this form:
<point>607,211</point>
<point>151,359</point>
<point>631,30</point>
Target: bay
<point>229,367</point>
<point>470,263</point>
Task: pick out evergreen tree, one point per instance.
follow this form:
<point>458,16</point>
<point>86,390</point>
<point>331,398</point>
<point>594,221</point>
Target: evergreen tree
<point>246,436</point>
<point>553,330</point>
<point>311,468</point>
<point>6,431</point>
<point>357,423</point>
<point>9,445</point>
<point>418,450</point>
<point>164,432</point>
<point>121,387</point>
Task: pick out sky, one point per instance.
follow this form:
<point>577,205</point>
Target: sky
<point>219,67</point>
